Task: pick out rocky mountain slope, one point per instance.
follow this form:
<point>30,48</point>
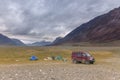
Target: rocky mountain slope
<point>104,28</point>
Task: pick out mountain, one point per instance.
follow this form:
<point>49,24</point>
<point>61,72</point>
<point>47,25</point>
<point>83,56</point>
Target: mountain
<point>4,40</point>
<point>102,29</point>
<point>58,39</point>
<point>42,43</point>
<point>18,42</point>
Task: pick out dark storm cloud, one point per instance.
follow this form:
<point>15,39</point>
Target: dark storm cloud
<point>35,20</point>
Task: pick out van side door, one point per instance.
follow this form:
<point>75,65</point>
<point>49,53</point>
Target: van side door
<point>79,56</point>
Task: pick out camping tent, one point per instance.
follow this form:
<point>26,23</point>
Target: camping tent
<point>33,58</point>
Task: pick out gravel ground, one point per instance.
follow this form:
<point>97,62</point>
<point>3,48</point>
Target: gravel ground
<point>59,71</point>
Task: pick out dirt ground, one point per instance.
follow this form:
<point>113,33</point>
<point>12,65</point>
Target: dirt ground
<point>62,71</point>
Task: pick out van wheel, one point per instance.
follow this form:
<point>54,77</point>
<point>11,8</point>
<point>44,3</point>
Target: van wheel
<point>91,62</point>
<point>75,61</point>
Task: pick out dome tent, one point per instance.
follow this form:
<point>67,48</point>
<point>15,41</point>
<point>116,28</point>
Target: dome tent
<point>33,58</point>
<point>58,58</point>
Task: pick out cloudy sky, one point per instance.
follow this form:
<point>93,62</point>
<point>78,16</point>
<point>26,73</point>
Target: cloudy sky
<point>37,20</point>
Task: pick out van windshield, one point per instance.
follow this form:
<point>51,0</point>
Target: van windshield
<point>87,54</point>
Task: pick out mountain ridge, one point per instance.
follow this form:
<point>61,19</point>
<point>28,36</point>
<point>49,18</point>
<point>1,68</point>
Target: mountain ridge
<point>101,29</point>
<point>4,40</point>
<point>41,43</point>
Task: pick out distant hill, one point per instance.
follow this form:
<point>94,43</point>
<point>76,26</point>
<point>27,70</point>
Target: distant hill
<point>4,40</point>
<point>18,42</point>
<point>42,43</point>
<point>102,29</point>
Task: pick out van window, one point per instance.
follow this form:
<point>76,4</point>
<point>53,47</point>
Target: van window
<point>79,55</point>
<point>87,54</point>
<point>83,54</point>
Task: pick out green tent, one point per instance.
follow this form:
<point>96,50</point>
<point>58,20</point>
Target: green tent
<point>58,58</point>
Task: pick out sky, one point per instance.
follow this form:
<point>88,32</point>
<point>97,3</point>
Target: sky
<point>37,20</point>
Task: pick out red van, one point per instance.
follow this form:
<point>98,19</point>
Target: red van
<point>82,57</point>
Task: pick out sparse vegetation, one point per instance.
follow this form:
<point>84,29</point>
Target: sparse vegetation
<point>22,54</point>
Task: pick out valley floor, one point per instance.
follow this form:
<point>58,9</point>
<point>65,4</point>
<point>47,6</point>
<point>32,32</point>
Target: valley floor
<point>106,67</point>
<point>60,71</point>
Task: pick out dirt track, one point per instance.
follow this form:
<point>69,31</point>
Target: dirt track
<point>59,71</point>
